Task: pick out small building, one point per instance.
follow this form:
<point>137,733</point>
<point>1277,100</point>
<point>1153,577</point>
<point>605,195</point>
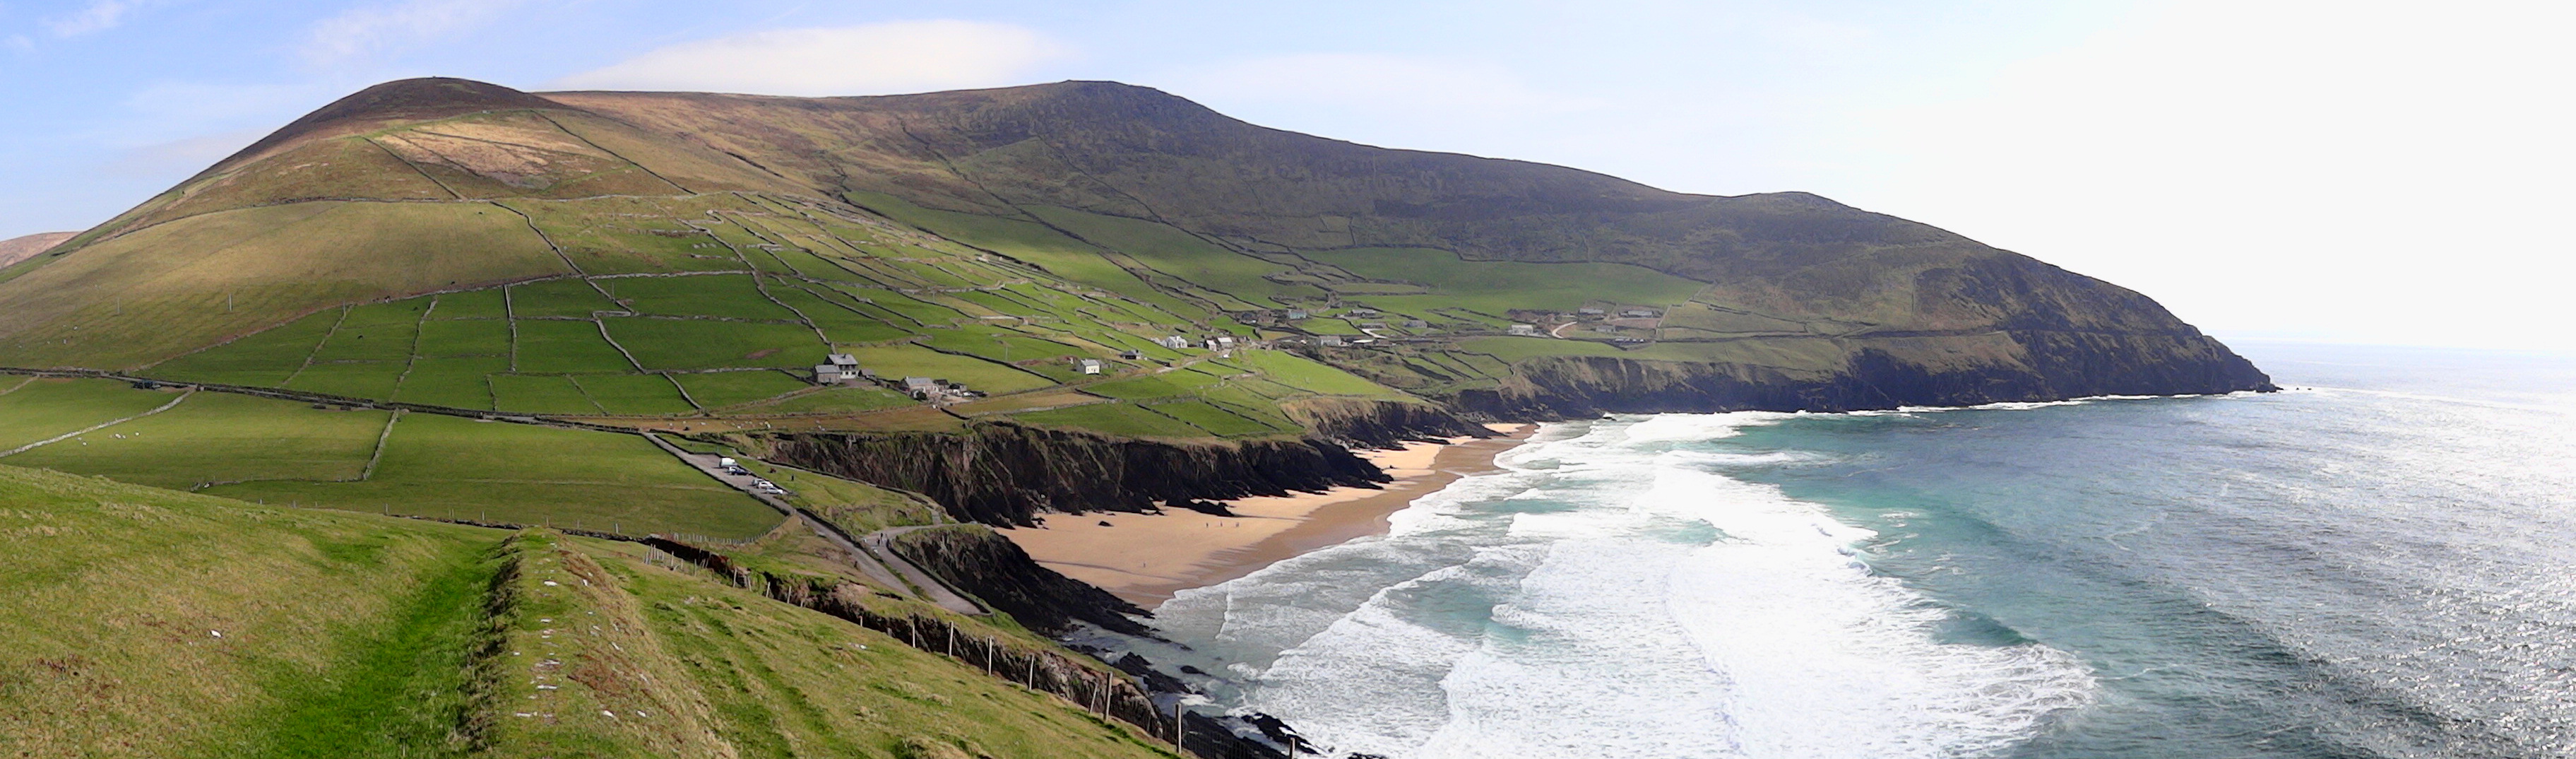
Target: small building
<point>1330,341</point>
<point>920,388</point>
<point>1372,325</point>
<point>1416,324</point>
<point>1087,365</point>
<point>843,368</point>
<point>1296,314</point>
<point>1363,311</point>
<point>1132,355</point>
<point>1175,342</point>
<point>1638,313</point>
<point>1523,329</point>
<point>1220,342</point>
<point>1591,312</point>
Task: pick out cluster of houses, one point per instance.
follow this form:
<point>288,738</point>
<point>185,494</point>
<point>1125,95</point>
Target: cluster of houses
<point>844,369</point>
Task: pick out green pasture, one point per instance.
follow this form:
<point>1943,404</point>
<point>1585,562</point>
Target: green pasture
<point>1179,254</point>
<point>458,468</point>
<point>899,361</point>
<point>563,346</point>
<point>220,437</point>
<point>838,400</point>
<point>710,344</point>
<point>471,304</point>
<point>1494,287</point>
<point>646,394</point>
<point>1113,418</point>
<point>353,379</point>
<point>726,295</point>
<point>464,337</point>
<point>1215,420</point>
<point>263,359</point>
<point>540,394</point>
<point>43,408</point>
<point>717,389</point>
<point>569,296</point>
<point>452,382</point>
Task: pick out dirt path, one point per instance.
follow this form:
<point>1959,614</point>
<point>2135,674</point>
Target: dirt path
<point>871,554</point>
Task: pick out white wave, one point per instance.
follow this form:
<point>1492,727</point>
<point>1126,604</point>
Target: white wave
<point>1608,595</point>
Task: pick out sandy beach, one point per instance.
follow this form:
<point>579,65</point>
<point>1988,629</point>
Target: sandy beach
<point>1145,558</point>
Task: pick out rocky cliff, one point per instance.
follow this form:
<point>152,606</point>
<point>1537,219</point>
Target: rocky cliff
<point>1006,474</point>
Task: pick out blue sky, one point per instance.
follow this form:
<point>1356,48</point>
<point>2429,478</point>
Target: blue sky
<point>2345,171</point>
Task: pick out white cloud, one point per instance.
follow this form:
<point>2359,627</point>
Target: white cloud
<point>375,28</point>
<point>900,56</point>
<point>101,15</point>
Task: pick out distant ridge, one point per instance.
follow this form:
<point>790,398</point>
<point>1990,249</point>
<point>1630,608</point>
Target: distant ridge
<point>18,249</point>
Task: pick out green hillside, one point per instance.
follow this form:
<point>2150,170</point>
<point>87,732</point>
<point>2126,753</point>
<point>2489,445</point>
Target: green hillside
<point>149,623</point>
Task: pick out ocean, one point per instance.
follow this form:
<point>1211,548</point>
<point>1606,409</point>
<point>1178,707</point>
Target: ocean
<point>2373,563</point>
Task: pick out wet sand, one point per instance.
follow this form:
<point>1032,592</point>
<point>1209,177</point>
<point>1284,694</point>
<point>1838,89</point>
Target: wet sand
<point>1145,558</point>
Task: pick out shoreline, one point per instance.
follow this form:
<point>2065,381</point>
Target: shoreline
<point>1146,558</point>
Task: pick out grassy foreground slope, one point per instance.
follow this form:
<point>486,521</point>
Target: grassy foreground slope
<point>149,623</point>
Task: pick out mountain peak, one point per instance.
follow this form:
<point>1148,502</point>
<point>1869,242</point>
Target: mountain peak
<point>418,99</point>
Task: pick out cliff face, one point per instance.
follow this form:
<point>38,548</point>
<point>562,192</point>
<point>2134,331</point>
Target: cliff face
<point>2076,365</point>
<point>1006,474</point>
<point>975,560</point>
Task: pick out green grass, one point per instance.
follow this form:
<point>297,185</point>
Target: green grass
<point>905,305</point>
<point>1215,420</point>
<point>354,379</point>
<point>374,332</point>
<point>1178,382</point>
<point>841,324</point>
<point>475,337</point>
<point>704,344</point>
<point>221,437</point>
<point>454,382</point>
<point>45,408</point>
<point>1112,418</point>
<point>264,359</point>
<point>634,393</point>
<point>715,389</point>
<point>707,295</point>
<point>1179,254</point>
<point>471,304</point>
<point>340,633</point>
<point>837,400</point>
<point>554,346</point>
<point>558,297</point>
<point>540,394</point>
<point>899,361</point>
<point>1031,242</point>
<point>1298,372</point>
<point>1494,287</point>
<point>159,292</point>
<point>460,468</point>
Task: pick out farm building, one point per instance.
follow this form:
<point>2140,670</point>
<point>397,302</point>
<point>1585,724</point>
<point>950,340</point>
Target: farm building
<point>1087,365</point>
<point>843,368</point>
<point>1175,342</point>
<point>1523,329</point>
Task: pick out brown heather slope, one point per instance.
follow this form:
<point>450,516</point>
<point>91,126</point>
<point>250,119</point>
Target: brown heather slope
<point>24,247</point>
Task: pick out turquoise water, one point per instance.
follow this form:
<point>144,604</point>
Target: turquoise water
<point>2372,564</point>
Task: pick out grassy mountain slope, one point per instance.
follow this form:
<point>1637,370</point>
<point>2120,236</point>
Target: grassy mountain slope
<point>646,249</point>
<point>149,622</point>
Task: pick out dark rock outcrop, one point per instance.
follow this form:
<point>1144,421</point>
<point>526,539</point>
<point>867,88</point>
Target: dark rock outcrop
<point>1005,474</point>
<point>973,559</point>
<point>2078,365</point>
<point>1378,423</point>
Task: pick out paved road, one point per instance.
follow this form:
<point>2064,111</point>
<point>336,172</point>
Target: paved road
<point>871,560</point>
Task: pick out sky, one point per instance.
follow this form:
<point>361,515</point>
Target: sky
<point>2320,171</point>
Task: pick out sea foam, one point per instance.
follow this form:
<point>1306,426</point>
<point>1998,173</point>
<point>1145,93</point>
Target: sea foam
<point>1612,593</point>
